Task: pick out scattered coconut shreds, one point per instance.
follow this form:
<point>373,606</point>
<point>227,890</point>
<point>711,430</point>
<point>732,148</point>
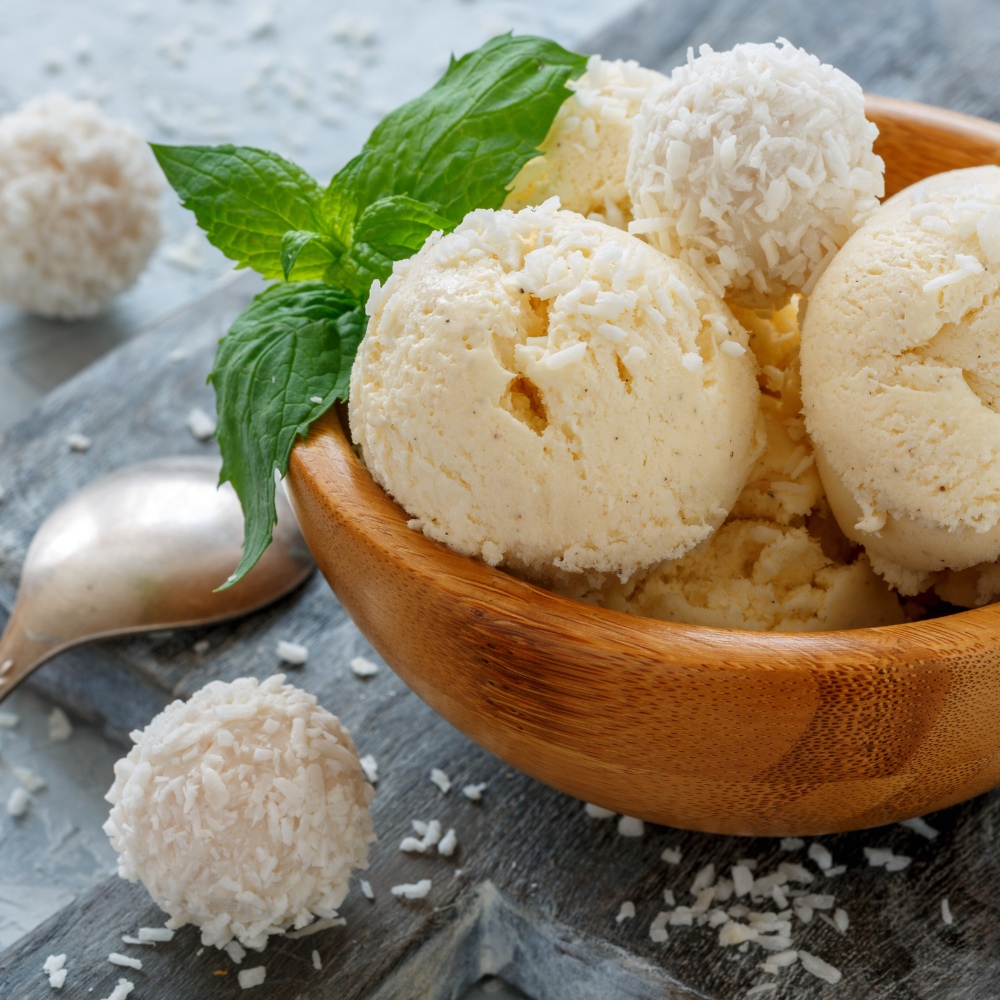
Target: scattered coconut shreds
<point>9,720</point>
<point>78,442</point>
<point>447,844</point>
<point>598,812</point>
<point>316,399</point>
<point>792,843</point>
<point>630,826</point>
<point>370,766</point>
<point>366,889</point>
<point>883,857</point>
<point>129,963</point>
<point>200,424</point>
<point>946,918</point>
<point>55,969</point>
<point>658,928</point>
<point>292,653</point>
<point>703,879</point>
<point>835,870</point>
<point>668,897</point>
<point>235,951</point>
<point>919,825</point>
<point>121,991</point>
<point>29,779</point>
<point>315,927</point>
<point>474,793</point>
<point>317,962</point>
<point>18,802</point>
<point>60,728</point>
<point>439,778</point>
<point>150,935</point>
<point>412,890</point>
<point>363,667</point>
<point>625,912</point>
<point>841,920</point>
<point>252,977</point>
<point>823,858</point>
<point>756,991</point>
<point>819,968</point>
<point>672,855</point>
<point>201,647</point>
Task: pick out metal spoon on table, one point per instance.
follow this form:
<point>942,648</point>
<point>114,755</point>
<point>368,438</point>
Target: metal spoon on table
<point>139,550</point>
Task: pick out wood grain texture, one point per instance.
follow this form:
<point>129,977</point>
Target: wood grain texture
<point>541,883</point>
<point>706,729</point>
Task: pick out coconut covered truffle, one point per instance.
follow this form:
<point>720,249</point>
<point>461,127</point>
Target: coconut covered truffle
<point>79,207</point>
<point>755,166</point>
<point>551,394</point>
<point>243,811</point>
<point>901,380</point>
<point>585,155</point>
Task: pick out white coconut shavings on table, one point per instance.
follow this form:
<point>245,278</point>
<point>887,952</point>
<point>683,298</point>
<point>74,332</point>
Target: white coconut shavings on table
<point>60,728</point>
<point>598,812</point>
<point>200,424</point>
<point>316,927</point>
<point>412,890</point>
<point>18,802</point>
<point>55,969</point>
<point>919,825</point>
<point>317,961</point>
<point>115,958</point>
<point>448,844</point>
<point>625,912</point>
<point>370,766</point>
<point>362,667</point>
<point>235,952</point>
<point>292,653</point>
<point>249,978</point>
<point>154,935</point>
<point>818,853</point>
<point>883,857</point>
<point>121,991</point>
<point>366,889</point>
<point>630,826</point>
<point>78,442</point>
<point>474,793</point>
<point>672,855</point>
<point>28,779</point>
<point>439,778</point>
<point>946,916</point>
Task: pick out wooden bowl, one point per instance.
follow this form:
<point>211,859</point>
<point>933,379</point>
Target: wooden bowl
<point>709,729</point>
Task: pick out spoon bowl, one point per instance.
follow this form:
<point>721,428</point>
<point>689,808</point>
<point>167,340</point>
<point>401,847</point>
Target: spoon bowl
<point>142,549</point>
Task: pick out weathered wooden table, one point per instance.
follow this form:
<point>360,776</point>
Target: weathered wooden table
<point>534,889</point>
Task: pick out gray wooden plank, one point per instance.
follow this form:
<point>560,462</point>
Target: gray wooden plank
<point>540,883</point>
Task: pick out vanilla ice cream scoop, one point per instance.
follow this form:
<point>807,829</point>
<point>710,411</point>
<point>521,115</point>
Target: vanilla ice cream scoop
<point>901,379</point>
<point>585,154</point>
<point>755,166</point>
<point>552,394</point>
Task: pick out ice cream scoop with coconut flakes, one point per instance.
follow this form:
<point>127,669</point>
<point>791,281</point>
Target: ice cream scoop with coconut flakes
<point>552,394</point>
<point>79,207</point>
<point>585,155</point>
<point>901,382</point>
<point>243,811</point>
<point>755,166</point>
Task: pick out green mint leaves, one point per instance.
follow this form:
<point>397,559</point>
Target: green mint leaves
<point>292,345</point>
<point>427,164</point>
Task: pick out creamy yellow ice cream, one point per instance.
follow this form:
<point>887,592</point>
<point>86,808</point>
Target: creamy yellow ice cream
<point>901,379</point>
<point>586,151</point>
<point>551,394</point>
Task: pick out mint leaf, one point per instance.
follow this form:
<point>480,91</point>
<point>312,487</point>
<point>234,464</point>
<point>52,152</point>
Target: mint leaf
<point>462,142</point>
<point>246,200</point>
<point>306,252</point>
<point>292,343</point>
<point>390,229</point>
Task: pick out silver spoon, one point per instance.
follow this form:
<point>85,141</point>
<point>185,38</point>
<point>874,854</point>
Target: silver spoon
<point>139,550</point>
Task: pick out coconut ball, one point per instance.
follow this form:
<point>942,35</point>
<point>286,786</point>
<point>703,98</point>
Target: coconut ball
<point>243,811</point>
<point>585,154</point>
<point>755,166</point>
<point>551,394</point>
<point>79,207</point>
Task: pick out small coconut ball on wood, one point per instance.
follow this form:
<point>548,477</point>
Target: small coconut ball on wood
<point>551,394</point>
<point>79,207</point>
<point>243,811</point>
<point>755,166</point>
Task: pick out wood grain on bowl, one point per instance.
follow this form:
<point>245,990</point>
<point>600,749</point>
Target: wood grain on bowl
<point>708,729</point>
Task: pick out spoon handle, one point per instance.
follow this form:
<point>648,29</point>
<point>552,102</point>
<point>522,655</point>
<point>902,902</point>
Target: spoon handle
<point>20,654</point>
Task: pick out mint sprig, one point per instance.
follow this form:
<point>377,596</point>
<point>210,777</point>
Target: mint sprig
<point>455,148</point>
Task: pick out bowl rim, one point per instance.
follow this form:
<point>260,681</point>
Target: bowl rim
<point>328,446</point>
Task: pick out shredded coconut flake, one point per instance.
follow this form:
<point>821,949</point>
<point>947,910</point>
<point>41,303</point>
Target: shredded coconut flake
<point>919,825</point>
<point>292,653</point>
<point>439,778</point>
<point>474,793</point>
<point>672,855</point>
<point>249,978</point>
<point>946,918</point>
<point>121,991</point>
<point>414,890</point>
<point>78,442</point>
<point>18,802</point>
<point>363,667</point>
<point>819,968</point>
<point>598,812</point>
<point>370,767</point>
<point>625,912</point>
<point>630,826</point>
